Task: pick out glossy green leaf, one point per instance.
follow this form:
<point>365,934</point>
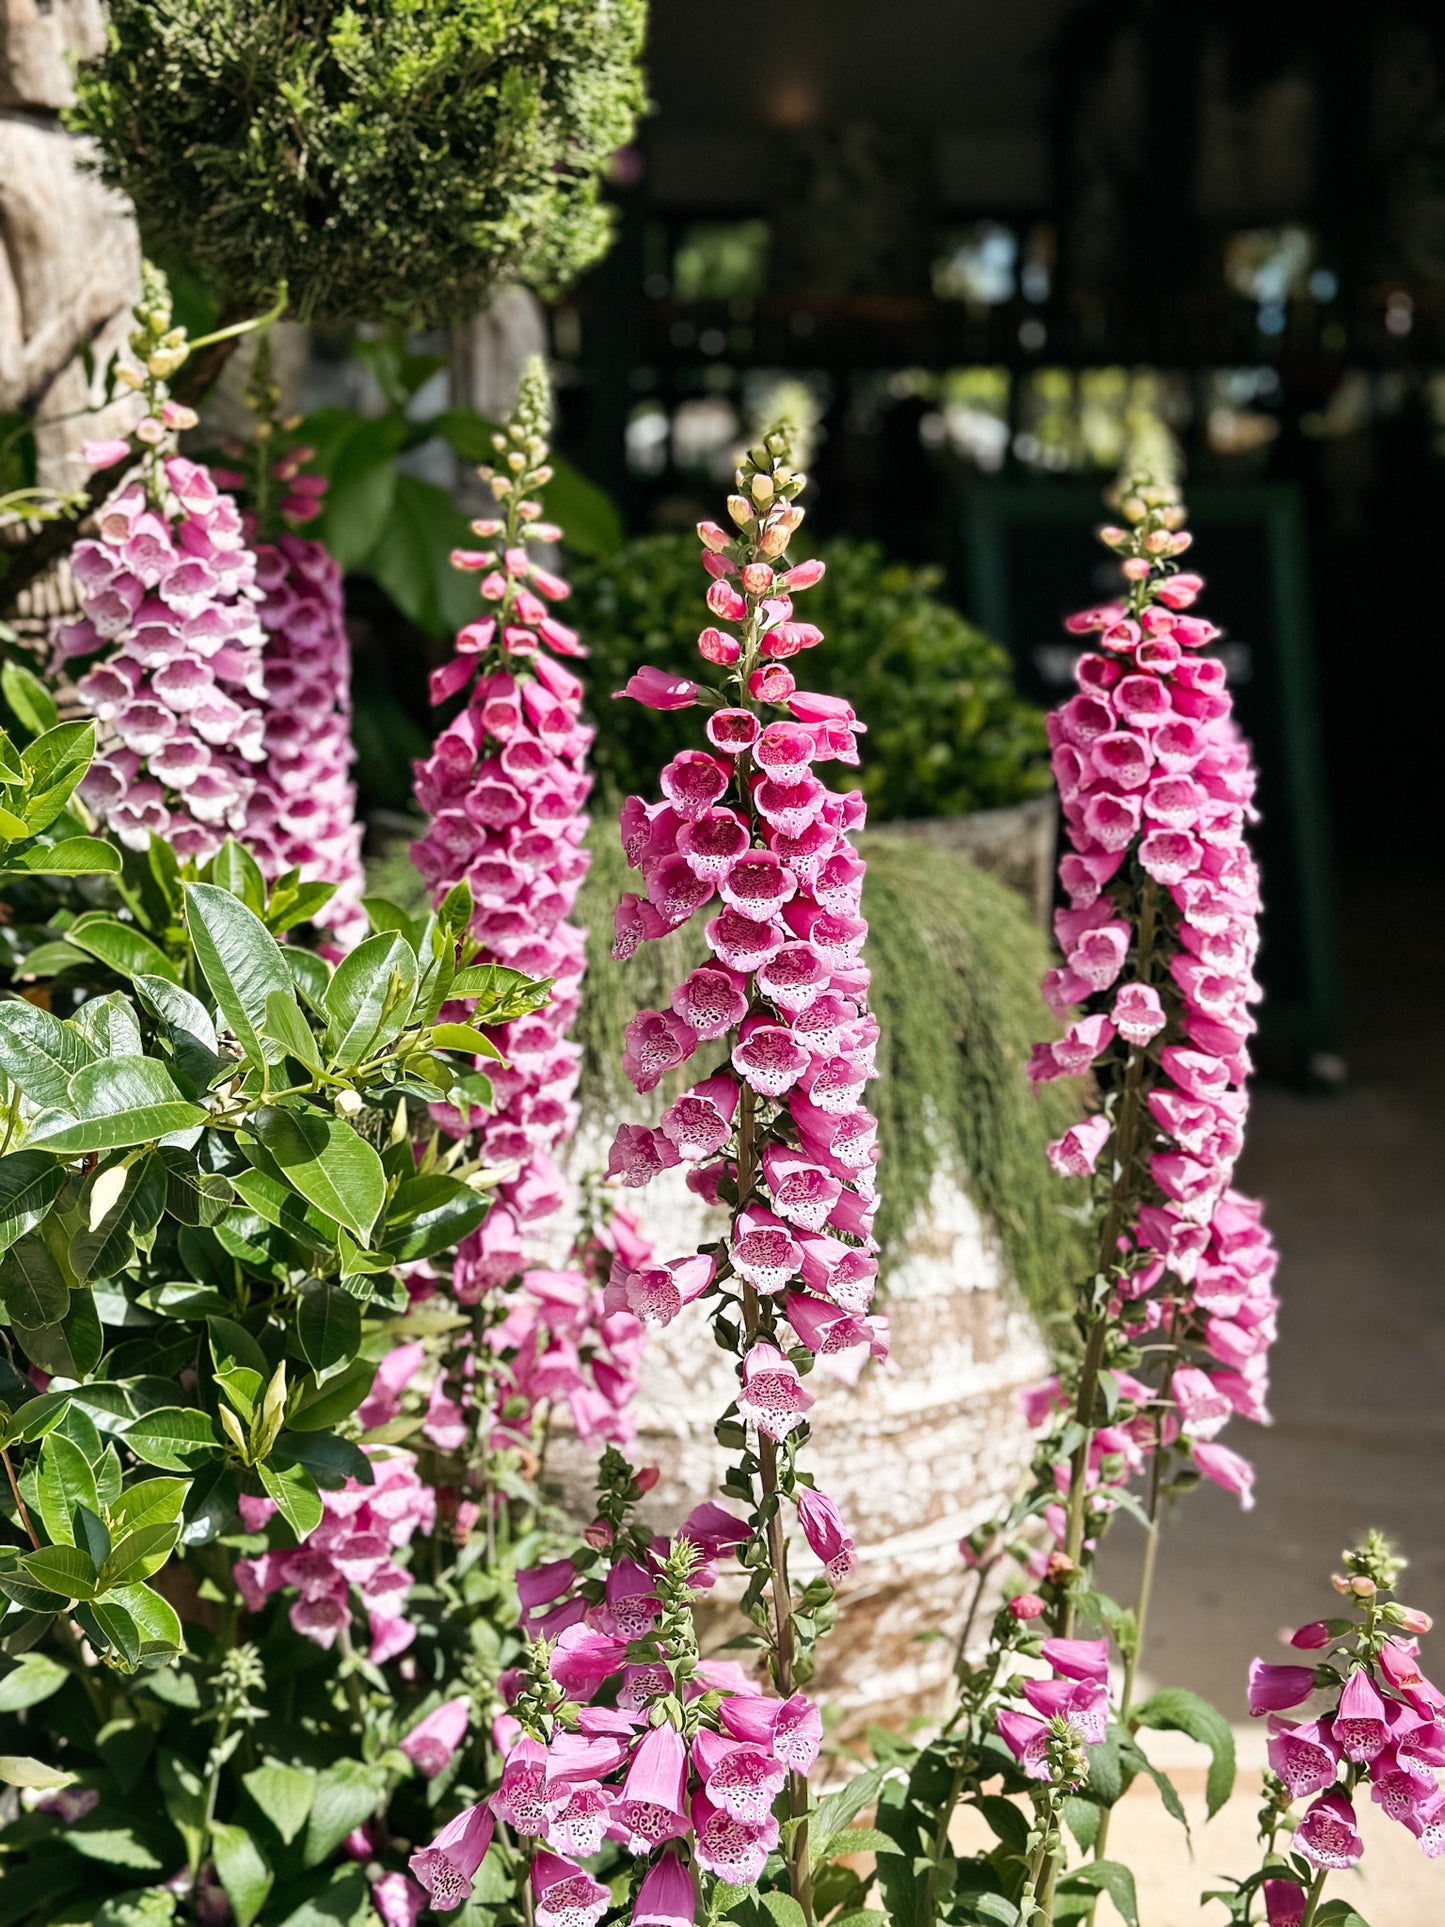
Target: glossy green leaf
<point>330,1459</point>
<point>108,1024</point>
<point>289,1028</point>
<point>337,1399</point>
<point>121,947</point>
<point>186,1027</point>
<point>28,697</point>
<point>30,1182</point>
<point>65,1570</point>
<point>116,1102</point>
<point>119,1206</point>
<point>32,1285</point>
<point>72,856</point>
<point>430,1214</point>
<point>146,1503</point>
<point>1109,1877</point>
<point>234,868</point>
<point>337,1171</point>
<point>328,1324</point>
<point>369,999</point>
<point>273,1199</point>
<point>63,1481</point>
<point>54,765</point>
<point>177,1438</point>
<point>194,1196</point>
<point>18,1769</point>
<point>309,973</point>
<point>294,1491</point>
<point>467,1037</point>
<point>139,1554</point>
<point>39,1053</point>
<point>363,486</point>
<point>241,960</point>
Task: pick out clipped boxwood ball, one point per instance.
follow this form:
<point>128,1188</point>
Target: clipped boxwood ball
<point>387,158</point>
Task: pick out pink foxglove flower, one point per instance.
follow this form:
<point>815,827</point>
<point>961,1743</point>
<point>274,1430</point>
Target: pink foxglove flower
<point>447,1867</point>
<point>666,1897</point>
<point>1327,1835</point>
<point>565,1895</point>
<point>504,789</point>
<point>432,1741</point>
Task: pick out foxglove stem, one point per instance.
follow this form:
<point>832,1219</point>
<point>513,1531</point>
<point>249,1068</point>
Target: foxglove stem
<point>1312,1901</point>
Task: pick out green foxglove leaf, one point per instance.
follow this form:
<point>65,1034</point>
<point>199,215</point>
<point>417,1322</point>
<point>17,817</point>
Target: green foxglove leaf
<point>1180,1711</point>
<point>234,868</point>
<point>18,1769</point>
<point>146,1503</point>
<point>283,1793</point>
<point>243,1871</point>
<point>429,1214</point>
<point>286,1025</point>
<point>139,1554</point>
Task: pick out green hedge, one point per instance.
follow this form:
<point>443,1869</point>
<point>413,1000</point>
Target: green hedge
<point>946,732</point>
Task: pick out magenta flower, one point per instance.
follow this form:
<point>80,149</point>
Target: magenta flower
<point>650,1808</point>
<point>432,1741</point>
<point>1360,1726</point>
<point>1306,1756</point>
<point>1028,1740</point>
<point>773,1397</point>
<point>825,1532</point>
<point>666,1897</point>
<point>565,1894</point>
<point>1327,1835</point>
<point>1081,1659</point>
<point>735,1850</point>
<point>1083,1703</point>
<point>1228,1470</point>
<point>446,1868</point>
<point>1284,1903</point>
<point>398,1900</point>
<point>1273,1688</point>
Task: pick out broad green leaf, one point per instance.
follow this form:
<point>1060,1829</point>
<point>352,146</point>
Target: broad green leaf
<point>177,1438</point>
<point>328,1324</point>
<point>84,1334</point>
<point>139,1554</point>
<point>121,947</point>
<point>154,1618</point>
<point>30,1182</point>
<point>272,1198</point>
<point>285,1023</point>
<point>337,1171</point>
<point>194,1196</point>
<point>33,1680</point>
<point>1083,1818</point>
<point>72,856</point>
<point>49,960</point>
<point>243,1870</point>
<point>39,1053</point>
<point>430,1214</point>
<point>839,1809</point>
<point>184,1794</point>
<point>346,1794</point>
<point>283,1793</point>
<point>1339,1913</point>
<point>363,484</point>
<point>294,1490</point>
<point>784,1909</point>
<point>119,1206</point>
<point>384,915</point>
<point>1109,1877</point>
<point>18,1769</point>
<point>369,999</point>
<point>64,1481</point>
<point>465,1037</point>
<point>330,1459</point>
<point>108,1024</point>
<point>28,1593</point>
<point>1180,1711</point>
<point>28,697</point>
<point>861,1840</point>
<point>337,1399</point>
<point>62,1569</point>
<point>146,1503</point>
<point>32,1286</point>
<point>148,1907</point>
<point>54,765</point>
<point>241,960</point>
<point>187,1028</point>
<point>346,1902</point>
<point>234,868</point>
<point>309,973</point>
<point>115,1102</point>
<point>232,1344</point>
<point>501,993</point>
<point>302,904</point>
<point>411,557</point>
<point>112,1846</point>
<point>92,1534</point>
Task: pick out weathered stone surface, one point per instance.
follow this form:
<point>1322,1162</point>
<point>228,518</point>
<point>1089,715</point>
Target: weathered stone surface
<point>36,36</point>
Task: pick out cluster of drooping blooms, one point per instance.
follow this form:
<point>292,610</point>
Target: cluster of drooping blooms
<point>504,787</point>
<point>1159,941</point>
<point>170,629</point>
<point>552,1341</point>
<point>1077,1693</point>
<point>302,813</point>
<point>1384,1727</point>
<point>618,1731</point>
<point>362,1528</point>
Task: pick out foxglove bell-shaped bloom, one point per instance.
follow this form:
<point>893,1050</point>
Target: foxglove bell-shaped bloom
<point>666,1897</point>
<point>1327,1836</point>
<point>447,1867</point>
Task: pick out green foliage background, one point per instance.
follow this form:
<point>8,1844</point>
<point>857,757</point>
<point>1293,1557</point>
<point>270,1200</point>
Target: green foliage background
<point>946,732</point>
<point>384,157</point>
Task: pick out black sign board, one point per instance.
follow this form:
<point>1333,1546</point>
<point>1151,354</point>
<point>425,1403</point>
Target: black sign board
<point>1032,558</point>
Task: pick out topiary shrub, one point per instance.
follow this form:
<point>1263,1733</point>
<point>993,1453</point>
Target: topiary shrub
<point>388,157</point>
<point>946,732</point>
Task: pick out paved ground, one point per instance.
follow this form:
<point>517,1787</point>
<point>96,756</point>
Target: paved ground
<point>1355,1190</point>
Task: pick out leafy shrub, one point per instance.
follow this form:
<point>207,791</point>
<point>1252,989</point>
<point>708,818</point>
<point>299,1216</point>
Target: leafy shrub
<point>946,732</point>
<point>381,158</point>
